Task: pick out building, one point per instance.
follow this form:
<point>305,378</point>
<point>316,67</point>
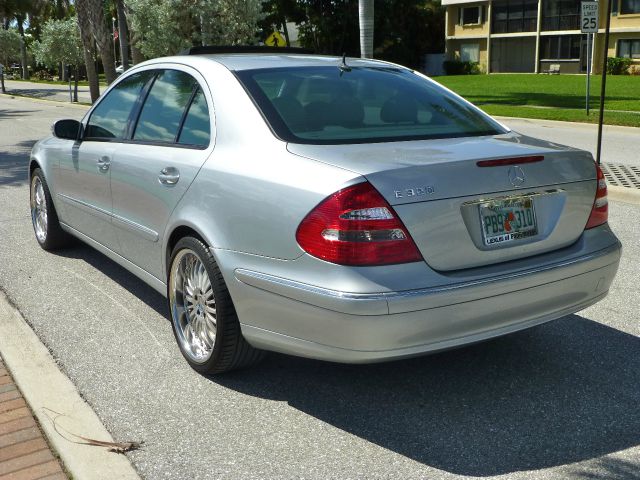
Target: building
<point>536,35</point>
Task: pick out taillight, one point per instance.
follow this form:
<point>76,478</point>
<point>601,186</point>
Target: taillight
<point>356,226</point>
<point>600,210</point>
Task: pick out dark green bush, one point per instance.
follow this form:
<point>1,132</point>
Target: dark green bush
<point>456,67</point>
<point>618,65</point>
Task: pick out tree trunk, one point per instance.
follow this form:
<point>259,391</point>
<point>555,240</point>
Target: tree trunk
<point>87,51</point>
<point>365,10</point>
<point>136,55</point>
<point>286,32</point>
<point>23,48</point>
<point>104,40</point>
<point>123,34</point>
<point>4,90</point>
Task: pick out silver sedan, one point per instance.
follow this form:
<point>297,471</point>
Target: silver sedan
<point>341,209</point>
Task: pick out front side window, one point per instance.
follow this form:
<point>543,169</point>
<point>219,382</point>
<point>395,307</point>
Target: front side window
<point>630,6</point>
<point>110,118</point>
<point>164,107</point>
<point>327,105</point>
<point>629,48</point>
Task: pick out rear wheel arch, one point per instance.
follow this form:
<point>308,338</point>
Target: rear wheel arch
<point>174,237</point>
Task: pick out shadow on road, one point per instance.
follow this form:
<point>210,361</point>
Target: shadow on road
<point>114,271</point>
<point>557,394</point>
<point>14,165</point>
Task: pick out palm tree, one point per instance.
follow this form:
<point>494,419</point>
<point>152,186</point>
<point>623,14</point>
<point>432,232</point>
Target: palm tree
<point>365,10</point>
<point>94,11</point>
<point>87,50</point>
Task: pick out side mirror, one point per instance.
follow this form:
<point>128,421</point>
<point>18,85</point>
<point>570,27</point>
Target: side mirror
<point>67,129</point>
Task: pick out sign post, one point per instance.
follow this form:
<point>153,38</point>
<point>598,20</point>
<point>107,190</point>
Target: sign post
<point>589,25</point>
<point>603,85</point>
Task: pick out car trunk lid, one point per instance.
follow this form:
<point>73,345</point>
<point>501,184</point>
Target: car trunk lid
<point>448,202</point>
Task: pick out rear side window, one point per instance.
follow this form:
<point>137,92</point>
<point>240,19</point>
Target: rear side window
<point>327,105</point>
<point>196,128</point>
<point>164,107</point>
<point>110,117</point>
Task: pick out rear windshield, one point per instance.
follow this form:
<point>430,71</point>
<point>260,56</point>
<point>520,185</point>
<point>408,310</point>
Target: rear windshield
<point>326,105</point>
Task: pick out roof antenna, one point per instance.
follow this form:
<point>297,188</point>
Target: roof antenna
<point>343,66</point>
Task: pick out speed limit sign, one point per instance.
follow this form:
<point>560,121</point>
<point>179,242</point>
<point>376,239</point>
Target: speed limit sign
<point>589,18</point>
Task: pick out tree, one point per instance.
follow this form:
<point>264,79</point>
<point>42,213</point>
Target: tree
<point>86,37</point>
<point>156,26</point>
<point>94,11</point>
<point>9,50</point>
<point>164,27</point>
<point>123,34</point>
<point>60,43</point>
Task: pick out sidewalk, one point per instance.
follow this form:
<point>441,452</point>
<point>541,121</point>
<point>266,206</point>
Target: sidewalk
<point>34,388</point>
<point>24,453</point>
<point>45,91</point>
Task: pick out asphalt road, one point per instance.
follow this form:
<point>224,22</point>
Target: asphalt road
<point>557,401</point>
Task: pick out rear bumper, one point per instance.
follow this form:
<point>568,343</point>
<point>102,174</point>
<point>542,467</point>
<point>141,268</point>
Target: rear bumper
<point>365,327</point>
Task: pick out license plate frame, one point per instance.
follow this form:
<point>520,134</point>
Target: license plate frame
<point>507,219</point>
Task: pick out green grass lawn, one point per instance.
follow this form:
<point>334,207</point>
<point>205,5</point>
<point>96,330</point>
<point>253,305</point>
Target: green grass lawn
<point>521,95</point>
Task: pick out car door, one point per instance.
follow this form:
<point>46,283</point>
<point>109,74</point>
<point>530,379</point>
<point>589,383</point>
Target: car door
<point>169,143</point>
<point>85,176</point>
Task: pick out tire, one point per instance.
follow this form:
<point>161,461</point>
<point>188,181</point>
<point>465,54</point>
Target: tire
<point>204,320</point>
<point>44,218</point>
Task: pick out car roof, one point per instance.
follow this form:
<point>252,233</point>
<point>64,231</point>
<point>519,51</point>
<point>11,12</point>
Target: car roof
<point>252,61</point>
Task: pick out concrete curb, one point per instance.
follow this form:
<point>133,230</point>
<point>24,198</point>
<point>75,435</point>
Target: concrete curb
<point>45,388</point>
<point>605,126</point>
<point>623,194</point>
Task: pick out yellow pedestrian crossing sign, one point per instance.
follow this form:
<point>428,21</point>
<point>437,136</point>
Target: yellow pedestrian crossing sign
<point>275,40</point>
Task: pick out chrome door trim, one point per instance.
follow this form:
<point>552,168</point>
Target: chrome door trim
<point>121,222</point>
<point>86,207</point>
<point>136,228</point>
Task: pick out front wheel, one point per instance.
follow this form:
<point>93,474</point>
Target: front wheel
<point>43,214</point>
<point>204,319</point>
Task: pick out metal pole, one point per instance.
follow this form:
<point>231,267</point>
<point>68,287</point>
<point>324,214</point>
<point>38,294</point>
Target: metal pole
<point>69,77</point>
<point>588,70</point>
<point>603,86</point>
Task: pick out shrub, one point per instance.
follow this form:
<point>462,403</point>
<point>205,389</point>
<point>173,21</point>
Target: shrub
<point>618,65</point>
<point>42,74</point>
<point>456,67</point>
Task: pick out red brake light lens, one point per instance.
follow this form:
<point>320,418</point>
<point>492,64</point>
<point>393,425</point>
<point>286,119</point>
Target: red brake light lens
<point>600,210</point>
<point>356,226</point>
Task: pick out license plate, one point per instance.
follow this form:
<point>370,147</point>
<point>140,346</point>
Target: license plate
<point>507,219</point>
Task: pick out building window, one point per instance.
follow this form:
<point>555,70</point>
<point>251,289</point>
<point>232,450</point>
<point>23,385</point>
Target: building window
<point>629,48</point>
<point>629,6</point>
<point>513,16</point>
<point>561,15</point>
<point>470,52</point>
<point>560,47</point>
<point>470,15</point>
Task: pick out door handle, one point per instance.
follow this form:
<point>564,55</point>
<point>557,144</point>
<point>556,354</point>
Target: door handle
<point>104,163</point>
<point>169,176</point>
